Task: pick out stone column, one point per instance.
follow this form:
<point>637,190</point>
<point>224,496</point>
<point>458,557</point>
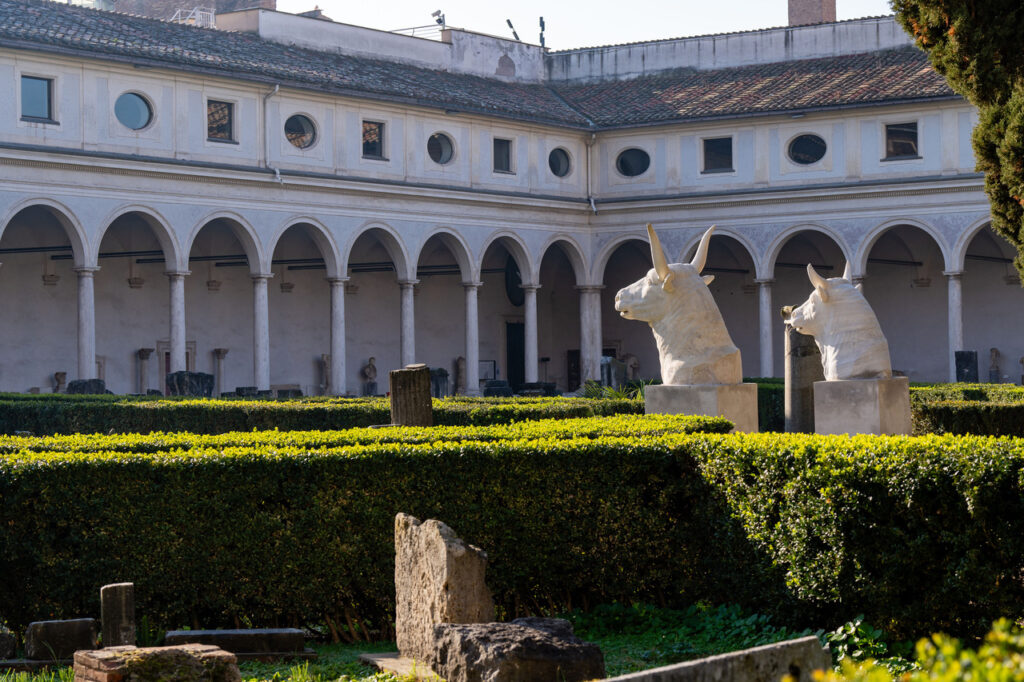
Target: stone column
<point>954,285</point>
<point>408,354</point>
<point>472,338</point>
<point>337,366</point>
<point>86,323</point>
<point>143,355</point>
<point>218,362</point>
<point>530,331</point>
<point>766,320</point>
<point>261,332</point>
<point>117,614</point>
<point>177,322</point>
<point>590,332</point>
<point>802,369</point>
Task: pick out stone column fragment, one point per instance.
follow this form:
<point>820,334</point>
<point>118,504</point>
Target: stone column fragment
<point>410,396</point>
<point>117,614</point>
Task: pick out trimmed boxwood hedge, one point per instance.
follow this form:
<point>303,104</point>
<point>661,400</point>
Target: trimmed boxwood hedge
<point>918,534</point>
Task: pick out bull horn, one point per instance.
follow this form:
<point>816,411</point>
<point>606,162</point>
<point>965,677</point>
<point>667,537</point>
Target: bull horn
<point>701,256</point>
<point>658,254</point>
<point>848,272</point>
<point>819,282</point>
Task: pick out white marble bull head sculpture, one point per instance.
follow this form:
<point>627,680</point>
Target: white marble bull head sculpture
<point>693,344</point>
<point>845,328</point>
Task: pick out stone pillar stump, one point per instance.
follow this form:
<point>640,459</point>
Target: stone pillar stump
<point>410,396</point>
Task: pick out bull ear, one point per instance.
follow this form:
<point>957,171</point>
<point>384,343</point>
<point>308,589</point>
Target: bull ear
<point>848,272</point>
<point>666,283</point>
<point>701,256</point>
<point>819,282</point>
<point>708,279</point>
<point>658,254</point>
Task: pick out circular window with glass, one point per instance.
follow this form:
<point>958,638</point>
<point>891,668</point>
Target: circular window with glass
<point>558,162</point>
<point>300,131</point>
<point>133,111</point>
<point>633,162</point>
<point>806,149</point>
<point>440,148</point>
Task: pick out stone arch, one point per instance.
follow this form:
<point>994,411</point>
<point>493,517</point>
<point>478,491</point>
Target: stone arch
<point>76,234</point>
<point>600,267</point>
<point>259,262</point>
<point>458,248</point>
<point>157,223</point>
<point>514,245</point>
<point>572,251</point>
<point>320,235</point>
<point>766,268</point>
<point>686,255</point>
<point>860,259</point>
<point>392,243</point>
<point>959,250</point>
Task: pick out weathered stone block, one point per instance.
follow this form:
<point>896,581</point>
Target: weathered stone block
<point>769,663</point>
<point>8,643</point>
<point>49,640</point>
<point>257,640</point>
<point>87,386</point>
<point>735,402</point>
<point>878,406</point>
<point>524,650</point>
<point>438,579</point>
<point>197,384</point>
<point>186,663</point>
<point>117,614</point>
<point>410,396</point>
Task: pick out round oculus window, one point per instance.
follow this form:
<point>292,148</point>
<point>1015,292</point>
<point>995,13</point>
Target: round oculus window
<point>633,162</point>
<point>440,148</point>
<point>300,131</point>
<point>558,162</point>
<point>807,149</point>
<point>133,111</point>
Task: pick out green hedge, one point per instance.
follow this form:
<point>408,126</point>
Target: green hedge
<point>979,409</point>
<point>919,534</point>
<point>104,414</point>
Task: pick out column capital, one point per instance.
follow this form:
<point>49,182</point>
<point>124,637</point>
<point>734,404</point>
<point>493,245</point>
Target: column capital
<point>220,353</point>
<point>472,285</point>
<point>408,283</point>
<point>765,281</point>
<point>144,353</point>
<point>952,274</point>
<point>86,270</point>
<point>177,273</point>
<point>337,281</point>
<point>529,287</point>
<point>260,276</point>
<point>589,288</point>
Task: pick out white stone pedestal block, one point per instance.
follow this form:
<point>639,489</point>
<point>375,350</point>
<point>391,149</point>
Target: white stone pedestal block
<point>735,402</point>
<point>878,406</point>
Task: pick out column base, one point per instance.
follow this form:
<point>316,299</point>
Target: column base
<point>735,402</point>
<point>852,406</point>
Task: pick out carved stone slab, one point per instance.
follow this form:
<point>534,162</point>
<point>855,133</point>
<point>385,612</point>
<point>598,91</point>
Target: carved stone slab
<point>735,402</point>
<point>878,406</point>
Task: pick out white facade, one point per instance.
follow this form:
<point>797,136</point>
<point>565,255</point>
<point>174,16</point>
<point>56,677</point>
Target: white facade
<point>117,240</point>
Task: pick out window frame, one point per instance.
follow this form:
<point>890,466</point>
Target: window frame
<point>812,164</point>
<point>704,170</point>
<point>312,122</point>
<point>382,142</point>
<point>628,148</point>
<point>232,121</point>
<point>51,91</point>
<point>569,162</point>
<point>511,170</point>
<point>451,144</point>
<point>146,100</point>
<point>886,125</point>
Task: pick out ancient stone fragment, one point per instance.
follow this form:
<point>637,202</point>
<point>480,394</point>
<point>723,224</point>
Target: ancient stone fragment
<point>117,613</point>
<point>185,663</point>
<point>410,396</point>
<point>50,640</point>
<point>8,643</point>
<point>438,579</point>
<point>525,650</point>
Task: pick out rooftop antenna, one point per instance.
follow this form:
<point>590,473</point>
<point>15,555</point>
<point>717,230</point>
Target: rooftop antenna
<point>542,31</point>
<point>514,34</point>
<point>439,18</point>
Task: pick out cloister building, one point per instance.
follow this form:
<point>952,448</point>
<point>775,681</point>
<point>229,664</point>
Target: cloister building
<point>279,199</point>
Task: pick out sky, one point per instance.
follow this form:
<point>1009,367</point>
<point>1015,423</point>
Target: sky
<point>578,23</point>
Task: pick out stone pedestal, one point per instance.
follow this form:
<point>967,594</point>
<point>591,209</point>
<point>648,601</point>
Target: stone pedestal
<point>877,406</point>
<point>410,396</point>
<point>735,402</point>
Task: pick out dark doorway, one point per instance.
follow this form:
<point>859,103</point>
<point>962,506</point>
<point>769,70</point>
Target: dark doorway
<point>515,354</point>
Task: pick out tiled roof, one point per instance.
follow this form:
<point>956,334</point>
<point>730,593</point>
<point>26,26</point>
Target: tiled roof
<point>902,74</point>
<point>50,25</point>
<point>890,75</point>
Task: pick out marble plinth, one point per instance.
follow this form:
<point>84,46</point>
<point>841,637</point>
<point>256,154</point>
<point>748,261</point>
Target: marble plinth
<point>878,406</point>
<point>735,402</point>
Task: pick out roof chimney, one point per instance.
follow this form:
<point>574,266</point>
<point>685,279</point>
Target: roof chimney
<point>802,12</point>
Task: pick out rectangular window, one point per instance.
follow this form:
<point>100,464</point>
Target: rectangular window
<point>901,140</point>
<point>373,140</point>
<point>36,98</point>
<point>717,155</point>
<point>220,121</point>
<point>502,155</point>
